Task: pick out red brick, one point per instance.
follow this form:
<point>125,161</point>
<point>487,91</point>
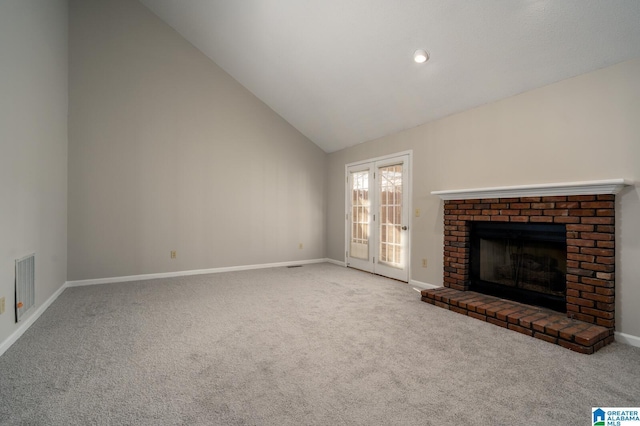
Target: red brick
<point>600,236</point>
<point>582,198</point>
<point>584,317</point>
<point>515,317</point>
<point>477,316</point>
<point>605,212</point>
<point>566,219</point>
<point>530,199</point>
<point>521,219</point>
<point>582,212</point>
<point>482,218</point>
<point>606,197</point>
<point>606,260</point>
<point>497,322</point>
<point>519,329</point>
<point>608,276</point>
<point>606,228</point>
<point>610,307</point>
<point>597,282</point>
<point>490,212</point>
<point>598,251</point>
<point>597,204</point>
<point>498,206</point>
<point>481,206</point>
<point>597,313</point>
<point>543,206</point>
<point>580,242</point>
<point>545,337</point>
<point>580,228</point>
<point>581,287</point>
<point>591,335</point>
<point>568,205</point>
<point>556,212</point>
<point>569,332</point>
<point>575,347</point>
<point>606,244</point>
<point>580,257</point>
<point>531,212</point>
<point>605,291</point>
<point>554,198</point>
<point>500,218</point>
<point>526,321</point>
<point>541,323</point>
<point>581,302</point>
<point>597,267</point>
<point>581,272</point>
<point>598,220</point>
<point>520,205</point>
<point>541,219</point>
<point>609,323</point>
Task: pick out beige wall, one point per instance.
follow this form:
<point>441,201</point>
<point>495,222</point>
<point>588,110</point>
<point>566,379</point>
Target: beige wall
<point>168,152</point>
<point>33,146</point>
<point>584,128</point>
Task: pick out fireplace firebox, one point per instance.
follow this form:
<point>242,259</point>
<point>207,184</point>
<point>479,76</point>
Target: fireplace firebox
<point>524,262</point>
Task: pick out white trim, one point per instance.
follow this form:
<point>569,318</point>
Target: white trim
<point>336,262</point>
<point>422,285</point>
<point>408,152</point>
<point>611,186</point>
<point>628,339</point>
<point>191,272</point>
<point>25,324</point>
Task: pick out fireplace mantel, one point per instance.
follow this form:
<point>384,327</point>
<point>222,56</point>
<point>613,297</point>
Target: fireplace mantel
<point>610,186</point>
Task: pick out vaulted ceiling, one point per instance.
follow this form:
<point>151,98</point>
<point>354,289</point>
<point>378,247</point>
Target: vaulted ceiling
<point>342,71</point>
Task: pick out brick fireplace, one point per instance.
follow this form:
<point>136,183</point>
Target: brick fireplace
<point>589,221</point>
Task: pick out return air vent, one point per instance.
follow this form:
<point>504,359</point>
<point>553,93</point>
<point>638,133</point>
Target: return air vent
<point>25,285</point>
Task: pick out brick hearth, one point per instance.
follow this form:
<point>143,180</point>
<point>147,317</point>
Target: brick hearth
<point>590,232</point>
<point>537,322</point>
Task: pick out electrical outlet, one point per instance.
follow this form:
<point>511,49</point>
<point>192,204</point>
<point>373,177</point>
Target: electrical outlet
<point>174,254</point>
<point>1,305</point>
<point>418,212</point>
<point>424,262</point>
<point>300,246</point>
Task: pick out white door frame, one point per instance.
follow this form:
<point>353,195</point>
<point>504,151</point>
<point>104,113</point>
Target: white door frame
<point>406,187</point>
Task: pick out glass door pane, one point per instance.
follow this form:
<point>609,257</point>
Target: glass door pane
<point>359,239</point>
<point>391,215</point>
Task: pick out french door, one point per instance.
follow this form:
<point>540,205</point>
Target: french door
<point>378,217</point>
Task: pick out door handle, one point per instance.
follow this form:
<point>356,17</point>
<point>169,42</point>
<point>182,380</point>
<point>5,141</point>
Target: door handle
<point>404,228</point>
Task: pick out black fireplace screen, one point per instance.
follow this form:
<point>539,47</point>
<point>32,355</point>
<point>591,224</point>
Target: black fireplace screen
<point>523,262</point>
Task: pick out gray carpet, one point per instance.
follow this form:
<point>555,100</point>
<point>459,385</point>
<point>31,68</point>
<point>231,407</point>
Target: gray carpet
<point>316,345</point>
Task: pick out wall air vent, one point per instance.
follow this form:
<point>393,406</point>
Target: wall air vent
<point>25,285</point>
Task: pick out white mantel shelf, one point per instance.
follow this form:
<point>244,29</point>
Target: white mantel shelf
<point>610,186</point>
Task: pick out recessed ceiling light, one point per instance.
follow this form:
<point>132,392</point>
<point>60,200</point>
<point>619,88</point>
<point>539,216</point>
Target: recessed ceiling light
<point>421,56</point>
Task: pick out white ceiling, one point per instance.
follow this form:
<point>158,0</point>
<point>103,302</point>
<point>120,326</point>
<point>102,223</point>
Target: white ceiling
<point>341,71</point>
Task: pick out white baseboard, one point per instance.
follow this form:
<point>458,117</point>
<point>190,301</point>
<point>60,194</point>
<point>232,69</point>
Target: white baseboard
<point>628,339</point>
<point>26,323</point>
<point>143,277</point>
<point>336,262</point>
<point>422,285</point>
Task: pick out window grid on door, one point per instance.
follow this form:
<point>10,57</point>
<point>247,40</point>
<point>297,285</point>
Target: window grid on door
<point>360,214</point>
<point>391,215</point>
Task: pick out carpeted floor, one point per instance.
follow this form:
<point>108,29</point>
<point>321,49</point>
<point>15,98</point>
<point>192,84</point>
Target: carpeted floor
<point>315,345</point>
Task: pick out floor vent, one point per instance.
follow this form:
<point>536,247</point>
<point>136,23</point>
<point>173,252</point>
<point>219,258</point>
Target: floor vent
<point>294,266</point>
<point>25,285</point>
